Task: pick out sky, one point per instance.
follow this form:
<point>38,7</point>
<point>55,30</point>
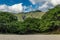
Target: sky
<point>17,6</point>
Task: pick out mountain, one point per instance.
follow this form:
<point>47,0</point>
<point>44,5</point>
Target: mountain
<point>51,20</point>
<point>52,14</point>
<point>35,14</point>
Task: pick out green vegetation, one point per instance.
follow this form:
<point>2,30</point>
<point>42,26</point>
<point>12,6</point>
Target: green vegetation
<point>29,14</point>
<point>9,24</point>
<point>31,22</point>
<point>51,20</point>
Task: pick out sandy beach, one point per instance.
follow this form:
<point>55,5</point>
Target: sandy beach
<point>29,37</point>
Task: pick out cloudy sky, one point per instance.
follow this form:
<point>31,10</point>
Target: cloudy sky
<point>17,6</point>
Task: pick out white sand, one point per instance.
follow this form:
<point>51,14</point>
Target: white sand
<point>29,37</point>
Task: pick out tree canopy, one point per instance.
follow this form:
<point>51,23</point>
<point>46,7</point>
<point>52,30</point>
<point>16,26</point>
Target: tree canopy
<point>51,18</point>
<point>7,17</point>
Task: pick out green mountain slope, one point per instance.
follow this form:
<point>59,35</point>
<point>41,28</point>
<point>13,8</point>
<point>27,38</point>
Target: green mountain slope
<point>22,16</point>
<point>51,20</point>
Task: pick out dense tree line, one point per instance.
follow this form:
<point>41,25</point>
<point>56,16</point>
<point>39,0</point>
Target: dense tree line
<point>49,22</point>
<point>10,24</point>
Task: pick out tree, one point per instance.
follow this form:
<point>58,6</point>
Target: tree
<point>32,25</point>
<point>7,17</point>
<point>52,16</point>
<point>5,20</point>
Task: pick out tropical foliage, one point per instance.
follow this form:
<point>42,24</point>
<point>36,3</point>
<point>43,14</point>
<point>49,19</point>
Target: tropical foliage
<point>49,22</point>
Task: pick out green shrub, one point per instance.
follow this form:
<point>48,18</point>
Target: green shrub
<point>6,17</point>
<point>32,25</point>
<point>51,17</point>
<point>7,20</point>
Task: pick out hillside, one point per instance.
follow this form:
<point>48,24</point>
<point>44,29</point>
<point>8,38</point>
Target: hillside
<point>51,20</point>
<point>31,22</point>
<point>22,16</point>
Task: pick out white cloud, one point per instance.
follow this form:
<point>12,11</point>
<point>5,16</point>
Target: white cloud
<point>36,1</point>
<point>33,2</point>
<point>16,8</point>
<point>3,8</point>
<point>46,4</point>
<point>28,8</point>
<point>55,2</point>
<point>44,7</point>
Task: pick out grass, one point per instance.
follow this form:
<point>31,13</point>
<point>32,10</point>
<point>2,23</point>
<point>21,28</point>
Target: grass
<point>31,15</point>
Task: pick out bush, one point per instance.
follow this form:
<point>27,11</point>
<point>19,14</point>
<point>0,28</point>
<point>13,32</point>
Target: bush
<point>13,28</point>
<point>6,21</point>
<point>6,17</point>
<point>50,20</point>
<point>32,25</point>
